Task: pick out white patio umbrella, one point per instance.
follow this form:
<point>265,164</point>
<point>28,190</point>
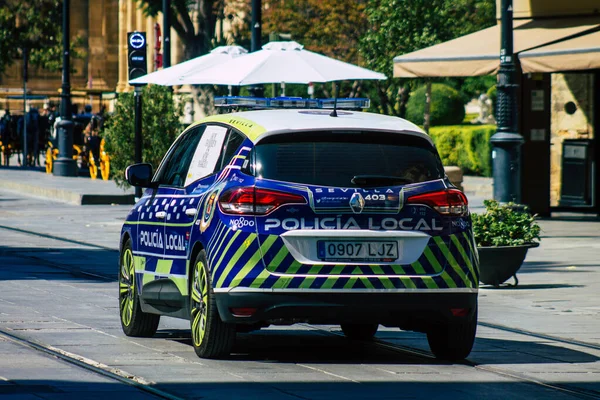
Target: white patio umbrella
<point>279,62</point>
<point>170,76</point>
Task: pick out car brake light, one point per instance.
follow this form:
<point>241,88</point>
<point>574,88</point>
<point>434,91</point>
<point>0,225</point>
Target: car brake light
<point>447,202</point>
<point>255,201</point>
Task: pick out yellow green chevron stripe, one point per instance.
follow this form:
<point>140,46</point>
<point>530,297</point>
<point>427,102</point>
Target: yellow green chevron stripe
<point>234,259</point>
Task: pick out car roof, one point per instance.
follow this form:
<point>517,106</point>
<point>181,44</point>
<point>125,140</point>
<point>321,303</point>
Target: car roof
<point>257,125</point>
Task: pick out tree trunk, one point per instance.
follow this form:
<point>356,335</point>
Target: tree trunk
<point>427,111</point>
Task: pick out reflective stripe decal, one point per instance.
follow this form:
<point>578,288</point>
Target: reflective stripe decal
<point>239,265</point>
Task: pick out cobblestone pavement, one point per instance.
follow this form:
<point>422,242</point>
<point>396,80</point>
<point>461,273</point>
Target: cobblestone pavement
<point>58,263</point>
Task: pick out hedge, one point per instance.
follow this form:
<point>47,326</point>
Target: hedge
<point>446,107</point>
<point>160,127</point>
<point>466,146</point>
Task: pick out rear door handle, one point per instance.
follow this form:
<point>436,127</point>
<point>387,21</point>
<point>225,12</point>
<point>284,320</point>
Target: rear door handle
<point>161,214</point>
<point>190,212</point>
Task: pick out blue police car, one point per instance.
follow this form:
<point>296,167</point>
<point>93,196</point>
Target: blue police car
<point>294,215</point>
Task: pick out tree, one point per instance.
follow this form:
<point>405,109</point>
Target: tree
<point>398,27</point>
<point>160,127</point>
<point>330,27</point>
<point>197,22</point>
<point>34,25</point>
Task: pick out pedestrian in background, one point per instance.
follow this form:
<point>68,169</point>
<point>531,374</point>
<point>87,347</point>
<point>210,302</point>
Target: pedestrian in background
<point>33,136</point>
<point>32,119</point>
<point>5,137</point>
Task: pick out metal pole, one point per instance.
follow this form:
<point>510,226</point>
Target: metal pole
<point>65,96</point>
<point>256,28</point>
<point>506,153</point>
<point>255,44</point>
<point>138,132</point>
<point>25,145</point>
<point>65,165</point>
<point>166,6</point>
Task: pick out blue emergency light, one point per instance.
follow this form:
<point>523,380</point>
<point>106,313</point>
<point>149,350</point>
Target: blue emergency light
<point>292,102</point>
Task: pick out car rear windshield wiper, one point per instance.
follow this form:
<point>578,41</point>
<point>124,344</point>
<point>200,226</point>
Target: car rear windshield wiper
<point>379,180</point>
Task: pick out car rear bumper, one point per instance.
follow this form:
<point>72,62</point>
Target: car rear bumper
<point>410,309</point>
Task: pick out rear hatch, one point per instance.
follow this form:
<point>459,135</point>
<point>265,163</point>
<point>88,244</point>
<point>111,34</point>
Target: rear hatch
<point>365,208</point>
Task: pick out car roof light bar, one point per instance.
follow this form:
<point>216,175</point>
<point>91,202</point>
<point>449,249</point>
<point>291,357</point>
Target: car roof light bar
<point>291,102</point>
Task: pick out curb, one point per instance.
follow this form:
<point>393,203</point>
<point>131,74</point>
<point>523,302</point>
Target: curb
<point>67,196</point>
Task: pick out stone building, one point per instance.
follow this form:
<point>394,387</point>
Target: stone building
<point>103,26</point>
<point>557,47</point>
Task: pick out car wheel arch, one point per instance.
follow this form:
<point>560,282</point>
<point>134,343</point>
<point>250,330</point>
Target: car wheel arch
<point>126,236</point>
<point>196,249</point>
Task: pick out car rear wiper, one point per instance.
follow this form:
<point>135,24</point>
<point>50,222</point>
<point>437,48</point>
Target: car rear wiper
<point>379,180</point>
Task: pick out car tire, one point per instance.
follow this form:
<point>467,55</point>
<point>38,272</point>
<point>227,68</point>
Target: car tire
<point>454,341</point>
<point>359,331</point>
<point>134,321</point>
<point>211,337</point>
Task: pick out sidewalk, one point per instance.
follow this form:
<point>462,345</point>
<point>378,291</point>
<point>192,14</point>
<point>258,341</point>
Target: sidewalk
<point>85,191</point>
<point>73,190</point>
<point>478,186</point>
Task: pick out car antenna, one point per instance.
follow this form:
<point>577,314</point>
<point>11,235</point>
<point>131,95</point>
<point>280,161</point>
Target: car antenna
<point>335,96</point>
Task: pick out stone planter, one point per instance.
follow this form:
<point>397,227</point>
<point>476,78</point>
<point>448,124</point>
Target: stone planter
<point>498,263</point>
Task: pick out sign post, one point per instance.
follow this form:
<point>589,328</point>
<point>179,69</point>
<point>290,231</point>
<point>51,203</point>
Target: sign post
<point>64,164</point>
<point>137,63</point>
<point>506,153</point>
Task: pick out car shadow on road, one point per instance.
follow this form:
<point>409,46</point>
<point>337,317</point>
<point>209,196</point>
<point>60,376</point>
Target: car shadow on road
<point>529,267</point>
<point>424,385</point>
<point>391,347</point>
<point>531,286</point>
<point>94,264</point>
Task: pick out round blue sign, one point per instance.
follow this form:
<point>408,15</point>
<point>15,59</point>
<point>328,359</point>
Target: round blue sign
<point>137,40</point>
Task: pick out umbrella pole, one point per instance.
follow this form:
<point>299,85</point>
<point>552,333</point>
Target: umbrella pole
<point>335,96</point>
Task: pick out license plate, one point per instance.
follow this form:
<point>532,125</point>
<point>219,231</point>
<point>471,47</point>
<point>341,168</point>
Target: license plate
<point>366,251</point>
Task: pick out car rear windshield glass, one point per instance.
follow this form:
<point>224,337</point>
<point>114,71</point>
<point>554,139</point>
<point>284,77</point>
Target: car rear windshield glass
<point>335,158</point>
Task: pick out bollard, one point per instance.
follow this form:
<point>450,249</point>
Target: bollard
<point>506,164</point>
<point>64,164</point>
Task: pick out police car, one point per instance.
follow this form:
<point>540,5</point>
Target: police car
<point>280,216</point>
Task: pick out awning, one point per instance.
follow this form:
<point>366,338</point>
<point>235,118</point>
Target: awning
<point>479,53</point>
<point>580,53</point>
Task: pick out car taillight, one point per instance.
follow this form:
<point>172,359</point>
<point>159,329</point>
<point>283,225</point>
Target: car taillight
<point>255,201</point>
<point>447,202</point>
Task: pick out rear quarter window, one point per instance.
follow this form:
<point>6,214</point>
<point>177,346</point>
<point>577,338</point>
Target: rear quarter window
<point>334,158</point>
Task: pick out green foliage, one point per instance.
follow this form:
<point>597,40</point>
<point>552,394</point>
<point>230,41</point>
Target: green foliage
<point>466,146</point>
<point>399,27</point>
<point>505,225</point>
<point>447,107</point>
<point>197,23</point>
<point>470,117</point>
<point>472,86</point>
<point>35,25</point>
<point>329,27</point>
<point>160,127</point>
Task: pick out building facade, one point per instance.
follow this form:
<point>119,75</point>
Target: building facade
<point>102,25</point>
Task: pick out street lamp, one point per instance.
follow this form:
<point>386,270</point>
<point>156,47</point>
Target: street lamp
<point>255,44</point>
<point>166,7</point>
<point>64,164</point>
<point>506,153</point>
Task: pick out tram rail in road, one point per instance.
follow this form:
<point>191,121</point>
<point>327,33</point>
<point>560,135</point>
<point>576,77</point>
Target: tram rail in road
<point>148,387</point>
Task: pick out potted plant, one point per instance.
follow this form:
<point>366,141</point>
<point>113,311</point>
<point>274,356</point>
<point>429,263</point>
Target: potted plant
<point>503,235</point>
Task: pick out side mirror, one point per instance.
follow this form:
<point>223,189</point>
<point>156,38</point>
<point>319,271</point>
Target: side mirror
<point>139,175</point>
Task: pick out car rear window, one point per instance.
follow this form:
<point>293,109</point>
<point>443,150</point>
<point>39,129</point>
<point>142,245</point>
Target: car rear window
<point>334,158</point>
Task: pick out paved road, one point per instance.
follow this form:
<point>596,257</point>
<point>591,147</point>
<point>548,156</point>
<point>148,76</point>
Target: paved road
<point>58,268</point>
